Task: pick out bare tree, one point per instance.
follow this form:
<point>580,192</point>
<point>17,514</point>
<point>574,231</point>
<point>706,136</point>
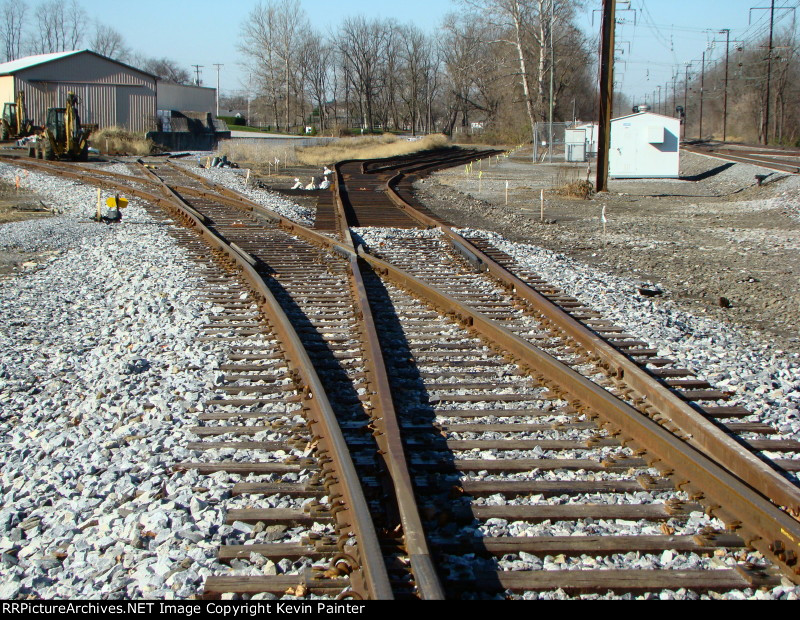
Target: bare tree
<point>12,26</point>
<point>163,68</point>
<point>60,27</point>
<point>109,42</point>
<point>415,54</point>
<point>258,44</point>
<point>318,62</point>
<point>272,40</point>
<point>466,57</point>
<point>362,45</point>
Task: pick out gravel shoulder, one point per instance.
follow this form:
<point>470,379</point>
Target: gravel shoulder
<point>102,373</point>
<point>95,403</point>
<point>711,239</point>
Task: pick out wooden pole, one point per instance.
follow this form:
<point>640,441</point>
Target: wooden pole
<point>727,32</point>
<point>769,70</point>
<point>702,89</point>
<point>606,92</point>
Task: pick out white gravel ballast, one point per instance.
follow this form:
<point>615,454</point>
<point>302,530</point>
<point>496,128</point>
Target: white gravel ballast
<point>99,377</point>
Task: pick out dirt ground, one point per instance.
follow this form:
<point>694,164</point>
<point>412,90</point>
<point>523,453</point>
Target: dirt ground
<point>713,240</point>
<point>15,206</point>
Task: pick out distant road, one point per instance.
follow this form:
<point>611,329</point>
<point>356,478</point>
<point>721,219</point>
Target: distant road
<point>257,134</point>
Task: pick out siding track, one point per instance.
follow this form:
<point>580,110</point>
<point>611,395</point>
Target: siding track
<point>427,420</point>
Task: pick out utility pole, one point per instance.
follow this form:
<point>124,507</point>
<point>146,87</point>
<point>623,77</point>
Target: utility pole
<point>674,91</point>
<point>606,92</point>
<point>552,75</point>
<point>659,100</point>
<point>218,67</point>
<point>702,88</point>
<point>727,32</point>
<point>771,9</point>
<point>769,70</point>
<point>686,100</point>
<point>197,71</point>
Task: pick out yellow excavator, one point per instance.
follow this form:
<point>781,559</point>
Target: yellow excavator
<point>15,123</point>
<point>63,136</point>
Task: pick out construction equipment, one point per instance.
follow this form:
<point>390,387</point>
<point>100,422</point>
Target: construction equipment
<point>63,136</point>
<point>15,123</point>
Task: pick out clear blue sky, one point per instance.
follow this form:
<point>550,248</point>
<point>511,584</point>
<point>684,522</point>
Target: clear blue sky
<point>207,32</point>
<point>667,33</point>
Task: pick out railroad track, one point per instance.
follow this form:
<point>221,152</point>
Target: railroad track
<point>424,419</point>
<point>772,158</point>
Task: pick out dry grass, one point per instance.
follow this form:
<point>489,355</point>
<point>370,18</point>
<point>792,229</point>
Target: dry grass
<point>372,147</point>
<point>116,141</point>
<point>367,147</point>
<point>259,151</point>
<point>577,189</point>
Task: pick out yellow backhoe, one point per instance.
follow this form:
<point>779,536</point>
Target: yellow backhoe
<point>63,136</point>
<point>15,123</point>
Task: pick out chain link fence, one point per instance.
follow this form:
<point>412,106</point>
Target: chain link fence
<point>571,142</point>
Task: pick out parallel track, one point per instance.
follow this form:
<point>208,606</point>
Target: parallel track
<point>772,158</point>
<point>494,382</point>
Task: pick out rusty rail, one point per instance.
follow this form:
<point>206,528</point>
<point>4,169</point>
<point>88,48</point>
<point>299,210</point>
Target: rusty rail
<point>757,520</point>
<point>352,513</point>
<point>699,431</point>
<point>737,491</point>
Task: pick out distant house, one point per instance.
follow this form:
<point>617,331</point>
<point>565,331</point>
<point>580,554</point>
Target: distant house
<point>110,93</point>
<point>645,145</point>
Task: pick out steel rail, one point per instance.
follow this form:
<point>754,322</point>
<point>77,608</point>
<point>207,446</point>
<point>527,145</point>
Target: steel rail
<point>352,503</point>
<point>698,430</point>
<point>370,580</point>
<point>388,433</point>
<point>763,525</point>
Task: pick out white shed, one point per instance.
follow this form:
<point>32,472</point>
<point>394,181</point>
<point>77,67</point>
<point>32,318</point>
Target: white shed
<point>575,145</point>
<point>592,131</point>
<point>645,145</point>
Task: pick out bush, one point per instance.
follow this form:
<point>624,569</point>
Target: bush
<point>117,141</point>
<point>238,121</point>
<point>578,189</point>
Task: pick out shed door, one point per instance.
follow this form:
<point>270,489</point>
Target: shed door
<point>123,107</point>
<point>622,158</point>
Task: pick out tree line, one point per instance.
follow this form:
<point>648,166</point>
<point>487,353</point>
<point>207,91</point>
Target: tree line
<point>60,26</point>
<point>488,66</point>
<point>749,74</point>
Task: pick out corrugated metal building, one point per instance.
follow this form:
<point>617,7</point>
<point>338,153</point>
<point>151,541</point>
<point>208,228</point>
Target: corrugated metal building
<point>110,93</point>
<point>186,98</point>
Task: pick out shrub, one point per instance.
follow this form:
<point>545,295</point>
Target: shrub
<point>117,141</point>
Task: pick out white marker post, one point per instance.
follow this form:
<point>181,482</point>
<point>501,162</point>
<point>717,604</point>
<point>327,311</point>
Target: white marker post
<point>542,215</point>
<point>605,221</point>
<point>506,193</point>
<point>247,178</point>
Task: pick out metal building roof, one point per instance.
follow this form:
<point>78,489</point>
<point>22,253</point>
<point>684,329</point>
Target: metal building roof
<point>15,66</point>
<point>8,68</point>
